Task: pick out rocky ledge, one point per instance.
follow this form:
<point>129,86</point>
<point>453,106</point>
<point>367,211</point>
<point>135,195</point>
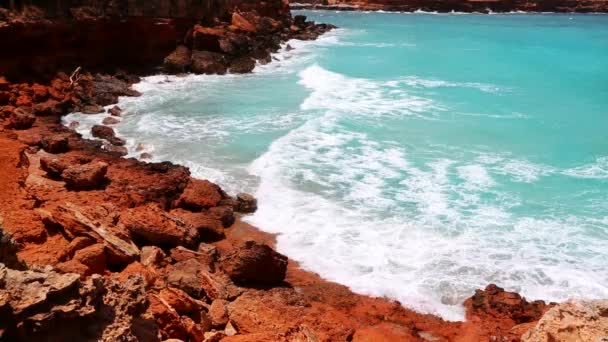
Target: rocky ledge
<point>446,6</point>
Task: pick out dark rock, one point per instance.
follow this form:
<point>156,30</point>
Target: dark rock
<point>205,62</point>
<point>115,111</point>
<point>55,143</point>
<point>20,119</point>
<point>107,133</point>
<point>92,109</point>
<point>246,203</point>
<point>110,120</point>
<point>223,213</point>
<point>242,65</point>
<point>496,302</point>
<point>118,151</point>
<point>255,264</point>
<point>178,61</point>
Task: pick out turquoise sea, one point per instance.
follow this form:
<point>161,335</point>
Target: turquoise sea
<point>413,156</point>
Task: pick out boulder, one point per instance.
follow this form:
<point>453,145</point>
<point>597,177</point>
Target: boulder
<point>152,224</point>
<point>200,194</point>
<point>246,203</point>
<point>242,65</point>
<point>186,275</point>
<point>115,111</point>
<point>206,62</point>
<point>180,301</point>
<point>207,38</point>
<point>92,109</point>
<point>40,92</point>
<point>152,256</point>
<point>76,244</point>
<point>86,177</point>
<point>53,166</point>
<point>110,120</point>
<point>93,257</point>
<point>253,263</point>
<point>496,302</point>
<point>178,61</point>
<point>118,151</point>
<point>241,23</point>
<point>55,143</point>
<point>299,20</point>
<point>572,321</point>
<point>107,133</point>
<point>20,119</point>
<point>218,312</point>
<point>167,319</point>
<point>209,228</point>
<point>223,213</point>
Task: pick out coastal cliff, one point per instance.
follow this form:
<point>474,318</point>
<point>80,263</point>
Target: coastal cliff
<point>103,35</point>
<point>444,6</point>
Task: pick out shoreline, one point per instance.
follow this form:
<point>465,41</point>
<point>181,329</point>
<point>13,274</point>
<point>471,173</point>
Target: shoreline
<point>68,203</point>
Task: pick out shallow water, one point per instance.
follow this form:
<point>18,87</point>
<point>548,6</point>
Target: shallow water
<point>412,156</point>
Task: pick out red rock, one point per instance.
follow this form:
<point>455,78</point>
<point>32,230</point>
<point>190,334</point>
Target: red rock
<point>84,177</point>
<point>48,107</point>
<point>200,194</point>
<point>40,92</point>
<point>55,143</point>
<point>73,266</point>
<point>384,332</point>
<point>107,133</point>
<point>117,151</point>
<point>93,257</point>
<point>253,263</point>
<point>218,312</point>
<point>206,38</point>
<point>20,119</point>
<point>76,244</point>
<point>178,61</point>
<point>156,226</point>
<point>241,23</point>
<point>53,166</point>
<point>166,318</point>
<point>209,228</point>
<point>223,213</point>
<point>496,302</point>
<point>23,101</point>
<point>206,62</point>
<point>194,330</point>
<point>179,300</point>
<point>149,274</point>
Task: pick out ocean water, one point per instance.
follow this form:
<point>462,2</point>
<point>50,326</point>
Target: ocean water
<point>413,156</point>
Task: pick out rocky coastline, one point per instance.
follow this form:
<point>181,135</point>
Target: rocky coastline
<point>114,249</point>
<point>467,6</point>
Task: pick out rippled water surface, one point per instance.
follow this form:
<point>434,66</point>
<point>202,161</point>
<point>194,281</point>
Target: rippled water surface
<point>412,156</point>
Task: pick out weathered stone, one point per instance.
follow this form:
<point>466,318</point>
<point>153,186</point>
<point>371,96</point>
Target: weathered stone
<point>157,226</point>
<point>208,227</point>
<point>178,61</point>
<point>84,177</point>
<point>572,321</point>
<point>223,213</point>
<point>246,203</point>
<point>218,312</point>
<point>180,301</point>
<point>206,62</point>
<point>242,65</point>
<point>254,263</point>
<point>55,143</point>
<point>200,194</point>
<point>93,257</point>
<point>110,120</point>
<point>241,23</point>
<point>152,256</point>
<point>20,119</point>
<point>115,111</point>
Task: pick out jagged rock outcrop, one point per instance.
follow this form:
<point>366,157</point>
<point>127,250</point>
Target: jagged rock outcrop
<point>572,321</point>
<point>35,302</point>
<point>255,264</point>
